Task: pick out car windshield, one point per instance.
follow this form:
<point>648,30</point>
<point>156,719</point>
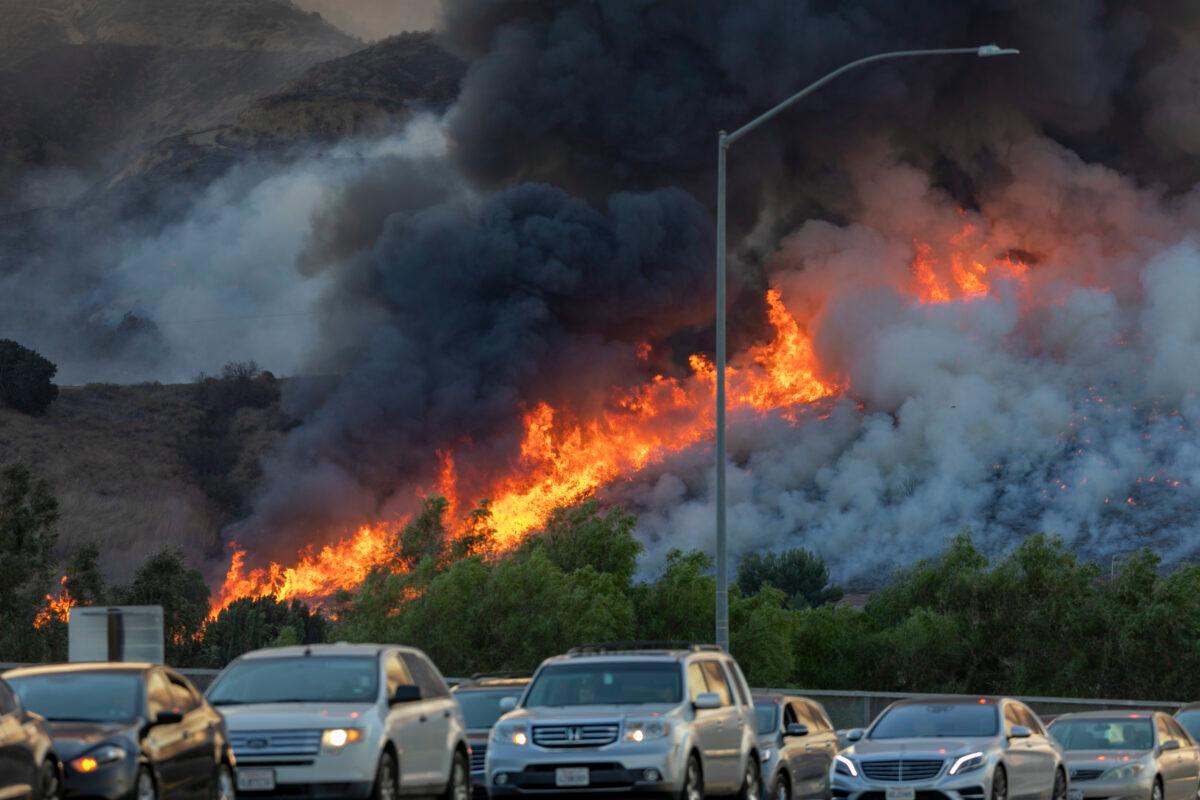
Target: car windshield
<point>481,708</point>
<point>1190,720</point>
<point>765,715</point>
<point>937,720</point>
<point>607,684</point>
<point>303,679</point>
<point>82,696</point>
<point>1103,734</point>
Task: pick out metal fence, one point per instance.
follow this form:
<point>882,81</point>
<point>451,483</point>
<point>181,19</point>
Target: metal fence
<point>850,709</point>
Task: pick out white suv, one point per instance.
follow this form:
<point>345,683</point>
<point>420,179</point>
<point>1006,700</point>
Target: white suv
<point>632,718</point>
<point>353,721</point>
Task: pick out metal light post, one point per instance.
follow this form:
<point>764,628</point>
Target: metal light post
<point>724,141</point>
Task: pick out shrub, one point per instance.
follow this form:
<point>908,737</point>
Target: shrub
<point>26,379</point>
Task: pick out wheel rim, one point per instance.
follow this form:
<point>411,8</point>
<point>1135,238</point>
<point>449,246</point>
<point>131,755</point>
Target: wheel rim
<point>50,785</point>
<point>1060,786</point>
<point>145,786</point>
<point>387,781</point>
<point>999,787</point>
<point>693,781</point>
<point>461,790</point>
<point>1156,793</point>
<point>751,792</point>
<point>781,792</point>
<point>225,789</point>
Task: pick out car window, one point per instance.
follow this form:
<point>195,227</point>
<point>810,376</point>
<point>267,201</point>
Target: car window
<point>789,716</point>
<point>716,681</point>
<point>158,694</point>
<point>1190,720</point>
<point>739,683</point>
<point>430,682</point>
<point>697,685</point>
<point>1177,732</point>
<point>1092,733</point>
<point>1028,718</point>
<point>1011,717</point>
<point>397,673</point>
<point>183,699</point>
<point>8,702</point>
<point>816,723</point>
<point>1160,726</point>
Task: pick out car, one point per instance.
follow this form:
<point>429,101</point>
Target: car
<point>797,744</point>
<point>1189,719</point>
<point>29,767</point>
<point>480,698</point>
<point>342,720</point>
<point>1138,755</point>
<point>129,730</point>
<point>633,718</point>
<point>983,748</point>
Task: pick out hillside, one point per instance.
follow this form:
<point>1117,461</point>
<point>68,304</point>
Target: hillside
<point>116,457</point>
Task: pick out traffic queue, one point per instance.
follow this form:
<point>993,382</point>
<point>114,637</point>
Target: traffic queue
<point>640,719</point>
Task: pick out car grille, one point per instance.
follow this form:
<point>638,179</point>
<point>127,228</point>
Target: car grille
<point>574,735</point>
<point>1086,774</point>
<point>275,745</point>
<point>478,756</point>
<point>902,769</point>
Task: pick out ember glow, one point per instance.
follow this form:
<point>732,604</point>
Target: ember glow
<point>58,606</point>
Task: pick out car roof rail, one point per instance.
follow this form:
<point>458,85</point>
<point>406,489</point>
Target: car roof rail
<point>641,645</point>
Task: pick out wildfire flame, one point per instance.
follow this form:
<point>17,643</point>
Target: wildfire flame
<point>58,606</point>
<point>564,459</point>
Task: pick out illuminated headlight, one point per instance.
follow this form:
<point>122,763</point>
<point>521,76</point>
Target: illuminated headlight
<point>645,729</point>
<point>845,766</point>
<point>1123,772</point>
<point>508,733</point>
<point>967,763</point>
<point>766,754</point>
<point>100,757</point>
<point>335,739</point>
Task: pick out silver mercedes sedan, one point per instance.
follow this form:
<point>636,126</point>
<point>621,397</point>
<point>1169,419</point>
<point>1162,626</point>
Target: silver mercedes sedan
<point>952,748</point>
<point>1141,755</point>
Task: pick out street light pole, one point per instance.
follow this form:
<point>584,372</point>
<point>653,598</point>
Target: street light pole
<point>724,140</point>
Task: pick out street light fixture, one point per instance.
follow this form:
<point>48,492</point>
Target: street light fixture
<point>724,141</point>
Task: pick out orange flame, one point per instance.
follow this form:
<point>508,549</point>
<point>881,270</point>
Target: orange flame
<point>970,275</point>
<point>58,606</point>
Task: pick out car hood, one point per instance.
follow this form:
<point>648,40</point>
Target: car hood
<point>292,716</point>
<point>929,748</point>
<point>73,739</point>
<point>553,714</point>
<point>1103,759</point>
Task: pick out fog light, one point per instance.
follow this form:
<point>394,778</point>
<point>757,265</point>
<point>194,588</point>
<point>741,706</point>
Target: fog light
<point>653,775</point>
<point>501,778</point>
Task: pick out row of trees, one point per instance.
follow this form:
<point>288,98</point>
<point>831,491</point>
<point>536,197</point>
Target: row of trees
<point>1036,621</point>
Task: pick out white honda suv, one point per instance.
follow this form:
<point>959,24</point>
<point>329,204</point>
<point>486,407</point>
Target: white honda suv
<point>354,721</point>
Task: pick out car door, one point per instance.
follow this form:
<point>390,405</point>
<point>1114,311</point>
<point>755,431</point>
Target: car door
<point>197,733</point>
<point>404,726</point>
<point>1177,783</point>
<point>708,728</point>
<point>792,749</point>
<point>18,767</point>
<point>437,709</point>
<point>1018,759</point>
<point>1043,756</point>
<point>1189,754</point>
<point>820,747</point>
<point>725,755</point>
<point>165,745</point>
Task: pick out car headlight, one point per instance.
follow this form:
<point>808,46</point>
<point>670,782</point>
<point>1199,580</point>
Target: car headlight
<point>642,730</point>
<point>766,754</point>
<point>335,739</point>
<point>967,763</point>
<point>100,757</point>
<point>845,766</point>
<point>1123,772</point>
<point>509,733</point>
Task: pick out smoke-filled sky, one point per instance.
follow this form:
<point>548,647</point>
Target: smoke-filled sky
<point>526,246</point>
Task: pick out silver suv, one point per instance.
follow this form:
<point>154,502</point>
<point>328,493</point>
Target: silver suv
<point>342,720</point>
<point>673,719</point>
<point>960,748</point>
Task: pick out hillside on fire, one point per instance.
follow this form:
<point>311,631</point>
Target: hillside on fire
<point>300,285</point>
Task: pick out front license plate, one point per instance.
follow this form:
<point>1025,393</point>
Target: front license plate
<point>250,779</point>
<point>1075,794</point>
<point>901,793</point>
<point>571,776</point>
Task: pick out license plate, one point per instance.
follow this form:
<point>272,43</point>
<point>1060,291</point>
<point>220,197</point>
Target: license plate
<point>1075,794</point>
<point>901,793</point>
<point>255,780</point>
<point>571,776</point>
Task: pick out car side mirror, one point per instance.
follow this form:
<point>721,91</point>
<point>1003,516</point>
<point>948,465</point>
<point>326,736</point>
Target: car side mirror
<point>168,718</point>
<point>1170,744</point>
<point>507,704</point>
<point>707,701</point>
<point>1020,732</point>
<point>796,729</point>
<point>854,734</point>
<point>405,693</point>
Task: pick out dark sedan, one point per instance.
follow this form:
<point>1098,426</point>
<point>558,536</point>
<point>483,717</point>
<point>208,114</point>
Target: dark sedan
<point>28,765</point>
<point>480,699</point>
<point>127,730</point>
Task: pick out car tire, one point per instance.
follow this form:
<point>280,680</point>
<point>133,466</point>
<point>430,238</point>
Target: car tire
<point>144,787</point>
<point>780,790</point>
<point>222,787</point>
<point>693,780</point>
<point>999,784</point>
<point>459,785</point>
<point>387,778</point>
<point>1059,792</point>
<point>50,786</point>
<point>751,781</point>
<point>1157,792</point>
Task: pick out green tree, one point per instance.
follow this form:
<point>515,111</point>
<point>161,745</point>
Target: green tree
<point>581,536</point>
<point>801,575</point>
<point>681,603</point>
<point>253,623</point>
<point>26,379</point>
<point>28,513</point>
<point>165,580</point>
<point>425,536</point>
<point>83,577</point>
